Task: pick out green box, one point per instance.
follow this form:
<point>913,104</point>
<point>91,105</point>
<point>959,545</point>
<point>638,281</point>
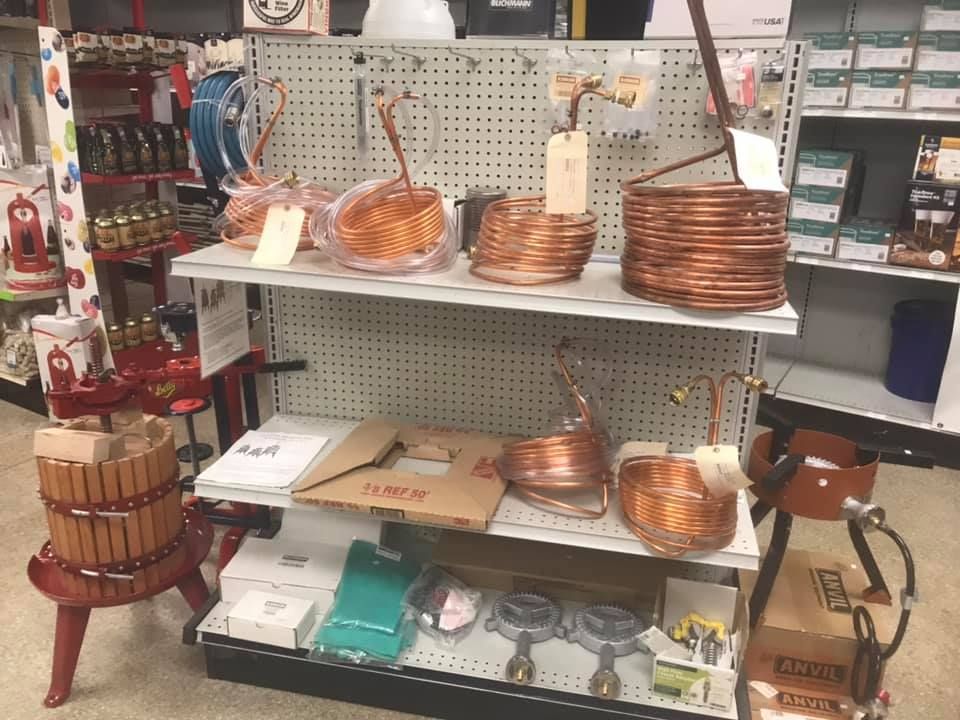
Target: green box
<point>827,88</point>
<point>826,168</point>
<point>886,50</point>
<point>830,50</point>
<point>811,237</point>
<point>939,90</point>
<point>865,240</point>
<point>938,52</point>
<point>885,89</point>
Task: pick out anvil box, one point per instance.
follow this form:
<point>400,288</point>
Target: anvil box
<point>805,638</point>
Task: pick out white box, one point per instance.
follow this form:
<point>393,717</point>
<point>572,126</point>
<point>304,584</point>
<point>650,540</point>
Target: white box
<point>769,18</point>
<point>270,619</point>
<point>944,15</point>
<point>310,571</point>
<point>287,16</point>
<point>52,335</point>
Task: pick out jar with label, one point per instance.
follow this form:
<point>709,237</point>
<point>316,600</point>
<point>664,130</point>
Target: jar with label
<point>107,235</point>
<point>115,336</point>
<point>118,54</point>
<point>19,350</point>
<point>149,47</point>
<point>180,50</point>
<point>168,221</point>
<point>154,227</point>
<point>131,333</point>
<point>124,236</point>
<point>86,46</point>
<point>148,327</point>
<point>165,50</point>
<point>103,48</point>
<point>162,145</point>
<point>138,228</point>
<point>69,45</point>
<point>132,46</point>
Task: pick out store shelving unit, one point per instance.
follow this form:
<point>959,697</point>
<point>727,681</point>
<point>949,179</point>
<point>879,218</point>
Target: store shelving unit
<point>877,268</point>
<point>17,379</point>
<point>869,114</point>
<point>15,296</point>
<point>91,179</point>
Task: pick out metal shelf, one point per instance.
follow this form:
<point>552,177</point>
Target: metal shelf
<point>514,517</point>
<point>13,296</point>
<point>13,22</point>
<point>562,667</point>
<point>596,294</point>
<point>877,268</point>
<point>16,379</point>
<point>902,115</point>
<point>849,391</point>
<point>91,179</point>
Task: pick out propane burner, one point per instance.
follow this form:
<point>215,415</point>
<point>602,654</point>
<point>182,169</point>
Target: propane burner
<point>610,631</point>
<point>525,618</point>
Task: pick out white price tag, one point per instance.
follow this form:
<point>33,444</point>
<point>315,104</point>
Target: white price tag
<point>765,689</point>
<point>757,161</point>
<point>719,467</point>
<point>566,185</point>
<point>281,235</point>
<point>657,641</point>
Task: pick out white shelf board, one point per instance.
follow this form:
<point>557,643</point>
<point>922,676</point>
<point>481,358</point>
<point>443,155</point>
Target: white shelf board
<point>848,391</point>
<point>877,268</point>
<point>596,294</point>
<point>561,666</point>
<point>13,296</point>
<point>514,517</point>
<point>11,22</point>
<point>870,114</point>
<point>16,379</point>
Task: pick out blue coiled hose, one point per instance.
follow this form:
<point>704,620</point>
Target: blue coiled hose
<point>204,114</point>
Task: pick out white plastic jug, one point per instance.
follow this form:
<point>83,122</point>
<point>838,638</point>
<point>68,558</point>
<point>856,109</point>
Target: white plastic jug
<point>409,19</point>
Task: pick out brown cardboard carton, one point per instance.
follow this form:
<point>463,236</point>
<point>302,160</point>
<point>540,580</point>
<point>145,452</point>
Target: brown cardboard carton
<point>798,701</point>
<point>560,571</point>
<point>417,473</point>
<point>805,637</point>
<point>927,234</point>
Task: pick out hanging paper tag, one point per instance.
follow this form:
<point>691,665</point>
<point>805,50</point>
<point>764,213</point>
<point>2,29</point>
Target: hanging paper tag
<point>757,161</point>
<point>281,235</point>
<point>719,467</point>
<point>561,86</point>
<point>567,173</point>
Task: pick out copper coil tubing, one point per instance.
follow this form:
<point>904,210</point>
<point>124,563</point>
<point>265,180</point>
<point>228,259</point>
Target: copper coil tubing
<point>246,212</point>
<point>562,464</point>
<point>668,507</point>
<point>710,246</point>
<point>520,244</point>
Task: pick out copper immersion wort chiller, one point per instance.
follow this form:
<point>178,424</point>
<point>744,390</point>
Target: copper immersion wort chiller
<point>710,246</point>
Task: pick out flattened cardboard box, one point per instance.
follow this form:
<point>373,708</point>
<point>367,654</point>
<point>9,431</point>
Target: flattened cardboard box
<point>805,637</point>
<point>370,472</point>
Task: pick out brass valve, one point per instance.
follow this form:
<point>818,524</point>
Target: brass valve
<point>626,99</point>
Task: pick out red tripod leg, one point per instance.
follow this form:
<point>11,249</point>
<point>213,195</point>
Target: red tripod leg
<point>194,589</point>
<point>229,546</point>
<point>71,626</point>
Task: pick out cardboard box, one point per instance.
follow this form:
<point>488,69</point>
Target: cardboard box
<point>865,240</point>
<point>812,202</point>
<point>938,51</point>
<point>52,335</point>
<point>692,682</point>
<point>811,237</point>
<point>418,473</point>
<point>805,637</point>
<point>287,16</point>
<point>770,18</point>
<point>796,703</point>
<point>934,91</point>
<point>827,88</point>
<point>306,570</point>
<point>884,89</point>
<point>826,168</point>
<point>886,50</point>
<point>566,573</point>
<point>940,15</point>
<point>831,50</point>
<point>276,620</point>
<point>938,159</point>
<point>927,234</point>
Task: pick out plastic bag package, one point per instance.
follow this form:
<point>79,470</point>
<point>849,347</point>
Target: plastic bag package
<point>740,79</point>
<point>639,72</point>
<point>564,67</point>
<point>368,621</point>
<point>443,606</point>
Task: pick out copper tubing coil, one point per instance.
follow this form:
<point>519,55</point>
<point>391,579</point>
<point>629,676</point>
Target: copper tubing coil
<point>564,463</point>
<point>246,214</point>
<point>393,218</point>
<point>520,244</point>
<point>668,507</point>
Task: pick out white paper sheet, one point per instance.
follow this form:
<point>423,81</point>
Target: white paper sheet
<point>265,459</point>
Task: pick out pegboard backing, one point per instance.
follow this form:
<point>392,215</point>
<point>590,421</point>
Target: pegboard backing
<point>492,370</point>
<point>496,117</point>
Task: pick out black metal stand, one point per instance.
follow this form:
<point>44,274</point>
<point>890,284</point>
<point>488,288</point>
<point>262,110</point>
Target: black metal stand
<point>771,563</point>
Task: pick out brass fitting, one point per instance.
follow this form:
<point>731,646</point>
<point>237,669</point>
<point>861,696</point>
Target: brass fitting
<point>592,81</point>
<point>626,99</point>
<point>679,395</point>
<point>757,384</point>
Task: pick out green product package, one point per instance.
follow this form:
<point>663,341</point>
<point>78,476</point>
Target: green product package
<point>367,620</point>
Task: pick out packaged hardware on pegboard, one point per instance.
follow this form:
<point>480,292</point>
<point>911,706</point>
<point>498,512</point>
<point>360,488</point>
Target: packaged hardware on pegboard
<point>633,72</point>
<point>563,68</point>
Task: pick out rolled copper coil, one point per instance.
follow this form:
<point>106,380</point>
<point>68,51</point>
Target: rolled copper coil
<point>711,246</point>
<point>520,244</point>
<point>393,218</point>
<point>668,507</point>
<point>562,464</point>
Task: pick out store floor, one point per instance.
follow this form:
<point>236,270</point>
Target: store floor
<point>134,666</point>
